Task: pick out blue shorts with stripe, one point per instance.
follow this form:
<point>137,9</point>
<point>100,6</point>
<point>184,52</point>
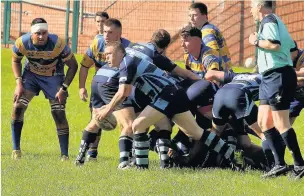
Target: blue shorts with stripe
<point>49,85</point>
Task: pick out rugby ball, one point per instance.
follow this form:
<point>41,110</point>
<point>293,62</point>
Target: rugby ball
<point>108,123</point>
<point>249,63</point>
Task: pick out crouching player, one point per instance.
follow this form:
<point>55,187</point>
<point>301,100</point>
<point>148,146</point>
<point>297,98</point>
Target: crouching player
<point>43,71</point>
<point>166,98</point>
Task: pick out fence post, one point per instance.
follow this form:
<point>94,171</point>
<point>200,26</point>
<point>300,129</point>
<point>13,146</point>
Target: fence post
<point>67,22</point>
<point>7,22</point>
<point>75,26</point>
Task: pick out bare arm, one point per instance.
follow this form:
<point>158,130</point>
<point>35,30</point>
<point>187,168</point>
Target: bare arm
<point>83,74</point>
<point>212,75</point>
<point>73,66</point>
<point>123,92</point>
<point>268,45</point>
<point>16,66</point>
<point>300,73</point>
<point>185,73</point>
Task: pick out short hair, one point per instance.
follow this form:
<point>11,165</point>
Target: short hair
<point>191,31</point>
<point>37,21</point>
<point>294,48</point>
<point>102,14</point>
<point>201,6</point>
<point>117,46</point>
<point>266,4</point>
<point>161,38</point>
<point>113,21</point>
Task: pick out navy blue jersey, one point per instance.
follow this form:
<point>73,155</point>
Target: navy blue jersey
<point>147,51</point>
<point>108,79</point>
<point>144,76</point>
<point>246,81</point>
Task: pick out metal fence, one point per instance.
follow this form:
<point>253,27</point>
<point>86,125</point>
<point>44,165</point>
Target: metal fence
<point>74,20</point>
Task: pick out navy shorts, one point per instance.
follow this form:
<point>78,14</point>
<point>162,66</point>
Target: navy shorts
<point>49,85</point>
<point>99,99</point>
<point>172,100</point>
<point>201,93</point>
<point>278,88</point>
<point>232,102</point>
<point>296,108</point>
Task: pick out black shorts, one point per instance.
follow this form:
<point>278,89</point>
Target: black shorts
<point>99,99</point>
<point>278,88</point>
<point>172,100</point>
<point>232,102</point>
<point>201,93</point>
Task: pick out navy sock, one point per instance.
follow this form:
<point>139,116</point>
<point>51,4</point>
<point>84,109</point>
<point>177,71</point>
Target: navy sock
<point>125,148</point>
<point>141,145</point>
<point>290,139</point>
<point>16,127</point>
<point>275,143</point>
<point>268,153</point>
<point>94,146</point>
<point>63,137</point>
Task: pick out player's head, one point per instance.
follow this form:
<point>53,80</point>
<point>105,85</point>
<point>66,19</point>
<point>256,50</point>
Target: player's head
<point>258,7</point>
<point>161,39</point>
<point>112,30</point>
<point>198,14</point>
<point>294,51</point>
<point>114,52</point>
<point>39,31</point>
<point>191,38</point>
<point>100,18</point>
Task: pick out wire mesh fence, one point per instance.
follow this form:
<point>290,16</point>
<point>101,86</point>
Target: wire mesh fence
<point>141,18</point>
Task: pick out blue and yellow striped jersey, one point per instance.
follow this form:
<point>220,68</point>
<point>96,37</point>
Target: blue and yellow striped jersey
<point>299,61</point>
<point>95,53</point>
<point>207,60</point>
<point>213,38</point>
<point>47,60</point>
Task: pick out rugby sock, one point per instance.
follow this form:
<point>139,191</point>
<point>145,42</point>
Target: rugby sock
<point>290,139</point>
<point>162,145</point>
<point>275,143</point>
<point>94,146</point>
<point>141,145</point>
<point>268,153</point>
<point>63,137</point>
<point>16,127</point>
<point>87,138</point>
<point>182,142</point>
<point>125,148</point>
<point>215,143</point>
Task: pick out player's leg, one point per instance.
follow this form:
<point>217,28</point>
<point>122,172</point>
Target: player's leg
<point>31,89</point>
<point>125,117</point>
<point>295,110</point>
<point>163,142</point>
<point>17,120</point>
<point>90,132</point>
<point>50,86</point>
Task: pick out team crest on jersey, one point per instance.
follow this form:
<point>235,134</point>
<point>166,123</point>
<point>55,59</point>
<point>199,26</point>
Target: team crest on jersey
<point>101,56</point>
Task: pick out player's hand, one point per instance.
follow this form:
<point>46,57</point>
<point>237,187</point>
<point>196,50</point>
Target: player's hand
<point>253,37</point>
<point>18,92</point>
<point>101,113</point>
<point>61,95</point>
<point>83,94</point>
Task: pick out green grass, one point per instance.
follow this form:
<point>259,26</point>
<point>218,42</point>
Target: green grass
<point>40,172</point>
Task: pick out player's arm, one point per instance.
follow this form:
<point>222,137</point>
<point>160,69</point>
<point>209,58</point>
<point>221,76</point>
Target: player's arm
<point>166,64</point>
<point>86,62</point>
<point>72,70</point>
<point>184,73</point>
<point>127,73</point>
<point>209,39</point>
<point>271,37</point>
<point>17,67</point>
<point>212,75</point>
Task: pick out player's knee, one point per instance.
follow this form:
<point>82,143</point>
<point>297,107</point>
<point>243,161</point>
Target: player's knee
<point>127,128</point>
<point>163,125</point>
<point>137,126</point>
<point>19,108</point>
<point>58,112</point>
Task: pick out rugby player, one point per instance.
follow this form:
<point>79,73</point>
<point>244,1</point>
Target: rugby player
<point>297,105</point>
<point>46,54</point>
<point>166,98</point>
<point>211,35</point>
<point>100,18</point>
<point>112,30</point>
<point>277,89</point>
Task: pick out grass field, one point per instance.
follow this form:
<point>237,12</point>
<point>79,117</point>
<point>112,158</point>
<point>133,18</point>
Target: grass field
<point>40,172</point>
